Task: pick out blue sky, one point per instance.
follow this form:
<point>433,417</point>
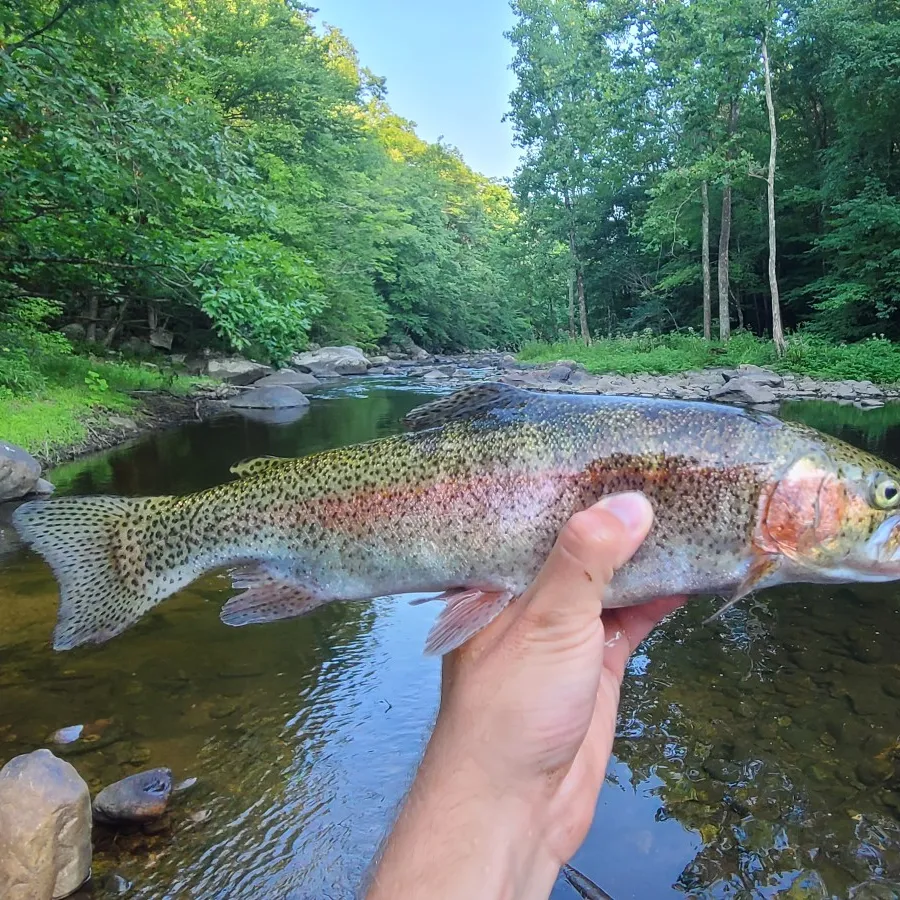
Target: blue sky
<point>446,65</point>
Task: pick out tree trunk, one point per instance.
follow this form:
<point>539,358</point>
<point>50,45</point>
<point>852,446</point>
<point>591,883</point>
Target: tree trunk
<point>582,309</point>
<point>725,237</point>
<point>571,306</point>
<point>579,273</point>
<point>777,331</point>
<point>707,292</point>
<point>93,311</point>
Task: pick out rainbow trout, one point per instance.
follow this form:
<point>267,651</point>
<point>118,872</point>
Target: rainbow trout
<point>469,502</point>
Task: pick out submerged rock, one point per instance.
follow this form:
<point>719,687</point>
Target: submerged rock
<point>137,798</point>
<point>277,396</point>
<point>45,828</point>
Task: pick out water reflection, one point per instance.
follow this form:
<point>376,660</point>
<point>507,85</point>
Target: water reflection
<point>757,757</point>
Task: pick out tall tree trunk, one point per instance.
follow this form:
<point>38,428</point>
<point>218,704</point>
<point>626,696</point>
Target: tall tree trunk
<point>571,306</point>
<point>582,309</point>
<point>93,311</point>
<point>707,291</point>
<point>579,272</point>
<point>725,239</point>
<point>777,331</point>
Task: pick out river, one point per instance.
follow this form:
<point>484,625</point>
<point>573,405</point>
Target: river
<point>757,756</point>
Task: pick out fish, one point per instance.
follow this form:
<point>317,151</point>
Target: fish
<point>466,503</point>
<point>583,885</point>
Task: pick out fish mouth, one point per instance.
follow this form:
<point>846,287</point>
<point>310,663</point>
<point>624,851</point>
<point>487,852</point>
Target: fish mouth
<point>883,549</point>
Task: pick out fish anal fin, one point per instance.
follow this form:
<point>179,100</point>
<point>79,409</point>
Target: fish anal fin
<point>469,403</point>
<point>468,610</point>
<point>270,593</point>
<point>761,570</point>
<point>249,467</point>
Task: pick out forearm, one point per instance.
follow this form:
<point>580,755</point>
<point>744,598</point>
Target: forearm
<point>458,836</point>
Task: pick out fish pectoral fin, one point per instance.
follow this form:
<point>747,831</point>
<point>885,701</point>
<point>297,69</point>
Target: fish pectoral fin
<point>761,570</point>
<point>271,593</point>
<point>468,610</point>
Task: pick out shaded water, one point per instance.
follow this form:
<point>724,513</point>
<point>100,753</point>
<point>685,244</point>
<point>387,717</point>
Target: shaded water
<point>757,757</point>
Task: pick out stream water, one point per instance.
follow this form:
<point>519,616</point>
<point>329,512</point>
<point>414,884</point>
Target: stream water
<point>757,757</point>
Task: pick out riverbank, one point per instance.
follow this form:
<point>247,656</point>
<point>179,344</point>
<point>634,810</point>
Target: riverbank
<point>875,359</point>
<point>115,402</point>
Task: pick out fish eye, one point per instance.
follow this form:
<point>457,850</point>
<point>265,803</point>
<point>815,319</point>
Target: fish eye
<point>885,492</point>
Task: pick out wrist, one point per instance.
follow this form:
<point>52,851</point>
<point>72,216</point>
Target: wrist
<point>462,833</point>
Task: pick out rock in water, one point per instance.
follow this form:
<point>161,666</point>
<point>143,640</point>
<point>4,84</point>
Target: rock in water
<point>236,370</point>
<point>300,381</point>
<point>45,828</point>
<point>331,361</point>
<point>743,390</point>
<point>19,472</point>
<point>276,396</point>
<point>137,798</point>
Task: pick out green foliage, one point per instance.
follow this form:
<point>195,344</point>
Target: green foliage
<point>224,172</point>
<point>875,359</point>
<point>625,108</point>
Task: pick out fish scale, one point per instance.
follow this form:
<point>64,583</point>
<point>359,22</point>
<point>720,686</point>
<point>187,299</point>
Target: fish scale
<point>468,503</point>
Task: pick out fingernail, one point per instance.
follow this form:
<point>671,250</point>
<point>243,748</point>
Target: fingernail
<point>632,509</point>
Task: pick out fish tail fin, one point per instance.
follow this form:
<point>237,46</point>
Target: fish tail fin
<point>107,555</point>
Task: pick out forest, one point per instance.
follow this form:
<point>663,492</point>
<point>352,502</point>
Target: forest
<point>185,174</point>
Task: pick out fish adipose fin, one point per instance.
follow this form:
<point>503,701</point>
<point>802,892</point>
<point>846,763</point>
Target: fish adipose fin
<point>95,546</point>
<point>758,576</point>
<point>465,404</point>
<point>467,612</point>
<point>270,592</point>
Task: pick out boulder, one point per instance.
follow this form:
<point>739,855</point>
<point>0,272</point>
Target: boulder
<point>276,396</point>
<point>393,370</point>
<point>331,361</point>
<point>74,331</point>
<point>300,381</point>
<point>45,828</point>
<point>435,375</point>
<point>744,391</point>
<point>236,370</point>
<point>757,374</point>
<point>19,472</point>
<point>560,372</point>
<point>843,390</point>
<point>379,360</point>
<point>137,798</point>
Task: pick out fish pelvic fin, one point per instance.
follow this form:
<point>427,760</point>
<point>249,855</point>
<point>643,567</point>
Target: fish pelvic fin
<point>100,550</point>
<point>758,576</point>
<point>271,592</point>
<point>468,610</point>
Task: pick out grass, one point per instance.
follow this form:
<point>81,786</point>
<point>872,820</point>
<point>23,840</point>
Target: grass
<point>67,394</point>
<point>875,359</point>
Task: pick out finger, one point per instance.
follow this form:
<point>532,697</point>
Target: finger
<point>568,592</point>
<point>627,627</point>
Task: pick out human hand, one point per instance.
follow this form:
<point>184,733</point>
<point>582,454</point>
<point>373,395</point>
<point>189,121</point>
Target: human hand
<point>509,783</point>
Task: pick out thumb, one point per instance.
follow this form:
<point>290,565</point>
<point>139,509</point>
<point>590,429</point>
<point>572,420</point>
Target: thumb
<point>567,596</point>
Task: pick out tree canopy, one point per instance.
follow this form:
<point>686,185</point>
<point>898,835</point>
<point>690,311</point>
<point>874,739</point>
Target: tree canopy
<point>205,170</point>
<point>214,173</point>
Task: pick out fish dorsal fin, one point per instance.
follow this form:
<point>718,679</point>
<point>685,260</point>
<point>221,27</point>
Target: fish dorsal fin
<point>469,403</point>
<point>250,467</point>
